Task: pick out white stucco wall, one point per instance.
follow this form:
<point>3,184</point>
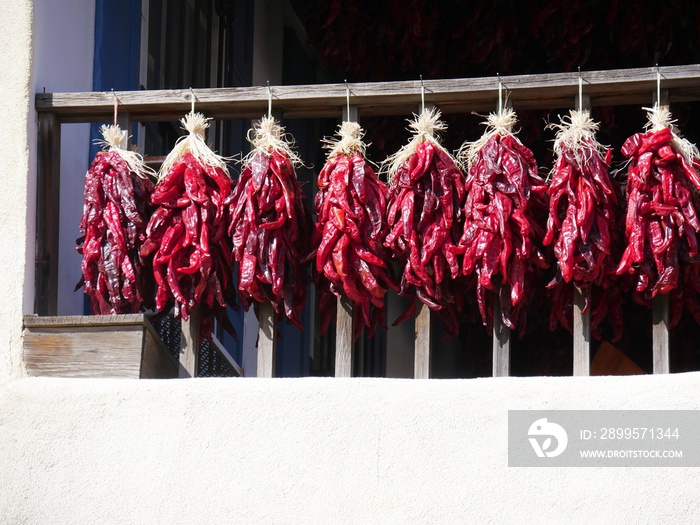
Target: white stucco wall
<point>319,451</point>
<point>16,160</point>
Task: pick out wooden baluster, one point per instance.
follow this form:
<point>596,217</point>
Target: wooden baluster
<point>422,346</point>
<point>501,342</point>
<point>267,320</point>
<point>661,335</point>
<point>343,338</point>
<point>582,334</point>
<point>501,337</point>
<point>267,340</point>
<point>47,214</point>
<point>344,315</point>
<point>582,320</point>
<point>423,354</point>
<point>190,343</point>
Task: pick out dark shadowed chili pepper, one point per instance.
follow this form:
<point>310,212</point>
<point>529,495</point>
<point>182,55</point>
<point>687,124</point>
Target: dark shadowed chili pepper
<point>112,227</point>
<point>582,226</point>
<point>270,227</point>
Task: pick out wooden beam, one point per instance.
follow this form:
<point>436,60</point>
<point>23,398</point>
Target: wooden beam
<point>582,335</point>
<point>267,340</point>
<point>423,355</point>
<point>615,87</point>
<point>48,200</point>
<point>343,338</point>
<point>189,344</point>
<point>501,342</point>
<point>35,321</point>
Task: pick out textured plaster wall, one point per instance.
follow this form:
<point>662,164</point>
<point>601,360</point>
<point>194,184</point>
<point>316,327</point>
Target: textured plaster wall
<point>16,157</point>
<point>62,35</point>
<point>319,451</point>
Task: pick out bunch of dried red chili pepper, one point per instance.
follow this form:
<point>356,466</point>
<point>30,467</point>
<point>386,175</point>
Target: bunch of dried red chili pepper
<point>582,225</point>
<point>186,235</point>
<point>662,222</point>
<point>270,226</point>
<point>501,235</point>
<point>426,198</point>
<point>351,259</point>
<point>113,224</point>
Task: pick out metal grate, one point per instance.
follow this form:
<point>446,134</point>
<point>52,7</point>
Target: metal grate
<point>169,331</point>
<point>211,363</point>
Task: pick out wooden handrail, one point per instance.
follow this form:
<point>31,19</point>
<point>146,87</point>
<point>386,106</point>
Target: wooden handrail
<point>542,91</point>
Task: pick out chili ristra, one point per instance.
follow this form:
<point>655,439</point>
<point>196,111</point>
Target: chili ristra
<point>501,235</point>
<point>662,225</point>
<point>426,198</point>
<point>186,235</point>
<point>113,224</point>
<point>582,225</point>
<point>351,226</point>
<point>270,227</point>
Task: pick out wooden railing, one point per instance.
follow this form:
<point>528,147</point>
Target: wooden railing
<point>602,88</point>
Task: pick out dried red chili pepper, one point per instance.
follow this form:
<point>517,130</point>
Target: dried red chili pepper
<point>115,212</point>
<point>501,236</point>
<point>662,222</point>
<point>270,226</point>
<point>582,225</point>
<point>426,197</point>
<point>348,238</point>
<point>187,233</point>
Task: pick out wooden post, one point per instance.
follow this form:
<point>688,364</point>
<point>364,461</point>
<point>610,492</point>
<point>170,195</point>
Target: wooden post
<point>661,334</point>
<point>343,338</point>
<point>47,214</point>
<point>344,315</point>
<point>586,99</point>
<point>582,335</point>
<point>189,345</point>
<point>423,357</point>
<point>124,122</point>
<point>267,340</point>
<point>422,347</point>
<point>500,338</point>
<point>353,116</point>
<point>501,342</point>
<point>581,321</point>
